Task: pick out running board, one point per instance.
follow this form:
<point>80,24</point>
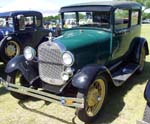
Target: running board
<point>123,74</point>
<point>66,101</point>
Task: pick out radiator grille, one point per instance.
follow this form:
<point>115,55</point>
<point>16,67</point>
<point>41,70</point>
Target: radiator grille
<point>50,63</point>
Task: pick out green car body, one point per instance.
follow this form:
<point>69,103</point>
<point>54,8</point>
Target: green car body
<point>99,45</point>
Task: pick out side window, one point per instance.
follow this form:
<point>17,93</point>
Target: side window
<point>29,21</point>
<point>38,21</point>
<point>121,19</point>
<point>135,17</point>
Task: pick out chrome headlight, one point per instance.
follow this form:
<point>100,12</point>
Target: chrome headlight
<point>67,58</point>
<point>29,53</point>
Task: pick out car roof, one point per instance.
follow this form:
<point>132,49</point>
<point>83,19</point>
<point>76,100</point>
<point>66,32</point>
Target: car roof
<point>106,6</point>
<point>24,12</point>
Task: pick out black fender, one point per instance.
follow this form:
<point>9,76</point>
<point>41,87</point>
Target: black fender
<point>147,92</point>
<point>87,74</point>
<point>139,42</point>
<point>19,63</point>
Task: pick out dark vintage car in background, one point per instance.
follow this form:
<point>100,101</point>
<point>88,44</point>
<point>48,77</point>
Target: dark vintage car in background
<point>100,45</point>
<point>19,29</point>
<point>146,117</point>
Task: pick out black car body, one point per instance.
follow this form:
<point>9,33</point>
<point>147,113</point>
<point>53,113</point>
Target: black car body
<point>146,117</point>
<point>19,29</point>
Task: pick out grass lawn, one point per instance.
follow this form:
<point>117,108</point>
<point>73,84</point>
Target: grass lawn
<point>125,104</point>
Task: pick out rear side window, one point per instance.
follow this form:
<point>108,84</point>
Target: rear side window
<point>29,21</point>
<point>135,17</point>
<point>38,21</point>
<point>121,19</point>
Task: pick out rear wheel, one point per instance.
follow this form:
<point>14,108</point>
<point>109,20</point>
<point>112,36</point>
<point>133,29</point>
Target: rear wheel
<point>146,117</point>
<point>17,78</point>
<point>94,99</point>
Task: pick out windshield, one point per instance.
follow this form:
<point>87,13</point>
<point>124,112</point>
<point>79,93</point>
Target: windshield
<point>86,19</point>
<point>6,22</point>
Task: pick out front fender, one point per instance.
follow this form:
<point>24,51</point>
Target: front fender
<point>86,76</point>
<point>147,92</point>
<point>19,63</point>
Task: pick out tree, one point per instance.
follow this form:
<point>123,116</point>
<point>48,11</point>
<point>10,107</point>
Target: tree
<point>52,18</point>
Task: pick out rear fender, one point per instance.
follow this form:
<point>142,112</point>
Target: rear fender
<point>140,42</point>
<point>19,63</point>
<point>86,76</point>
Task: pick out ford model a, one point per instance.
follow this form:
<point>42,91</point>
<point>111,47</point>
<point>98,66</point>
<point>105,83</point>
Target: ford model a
<point>19,29</point>
<point>100,45</point>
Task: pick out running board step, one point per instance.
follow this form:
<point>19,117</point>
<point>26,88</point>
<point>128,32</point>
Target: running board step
<point>120,76</point>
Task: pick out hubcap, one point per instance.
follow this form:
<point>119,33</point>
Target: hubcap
<point>12,49</point>
<point>95,97</point>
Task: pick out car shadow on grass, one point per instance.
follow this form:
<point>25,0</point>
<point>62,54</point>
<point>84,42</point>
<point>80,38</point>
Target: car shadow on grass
<point>2,75</point>
<point>115,102</point>
<point>22,104</point>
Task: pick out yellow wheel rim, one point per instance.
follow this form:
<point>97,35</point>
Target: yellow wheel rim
<point>95,97</point>
<point>12,49</point>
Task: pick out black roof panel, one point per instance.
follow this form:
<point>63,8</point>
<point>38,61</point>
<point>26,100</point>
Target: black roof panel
<point>24,12</point>
<point>108,4</point>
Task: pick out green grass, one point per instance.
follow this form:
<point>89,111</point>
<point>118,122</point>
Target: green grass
<point>125,104</point>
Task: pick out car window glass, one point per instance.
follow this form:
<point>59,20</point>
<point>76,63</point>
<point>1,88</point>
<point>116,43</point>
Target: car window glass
<point>6,22</point>
<point>94,19</point>
<point>134,18</point>
<point>29,21</point>
<point>121,19</point>
<point>37,21</point>
<point>21,20</point>
<point>87,19</point>
<point>70,20</point>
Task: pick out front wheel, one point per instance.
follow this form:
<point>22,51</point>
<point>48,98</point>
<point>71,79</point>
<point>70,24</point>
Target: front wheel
<point>17,78</point>
<point>94,99</point>
<point>10,48</point>
<point>146,117</point>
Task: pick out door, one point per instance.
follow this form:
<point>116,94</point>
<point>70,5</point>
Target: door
<point>121,37</point>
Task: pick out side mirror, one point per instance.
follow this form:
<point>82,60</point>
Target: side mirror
<point>21,20</point>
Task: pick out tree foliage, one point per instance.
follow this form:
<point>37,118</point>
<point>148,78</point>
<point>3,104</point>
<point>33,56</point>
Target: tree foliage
<point>51,18</point>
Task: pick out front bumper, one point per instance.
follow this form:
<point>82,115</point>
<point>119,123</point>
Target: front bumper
<point>66,101</point>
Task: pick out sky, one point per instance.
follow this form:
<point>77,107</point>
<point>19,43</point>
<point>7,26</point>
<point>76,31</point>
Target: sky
<point>47,7</point>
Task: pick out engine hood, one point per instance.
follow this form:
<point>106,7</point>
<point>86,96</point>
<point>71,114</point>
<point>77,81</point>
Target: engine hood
<point>78,38</point>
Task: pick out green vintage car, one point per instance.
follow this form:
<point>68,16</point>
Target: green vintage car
<point>99,45</point>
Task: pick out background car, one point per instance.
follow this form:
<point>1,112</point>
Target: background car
<point>146,117</point>
<point>19,29</point>
<point>146,21</point>
<point>100,46</point>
